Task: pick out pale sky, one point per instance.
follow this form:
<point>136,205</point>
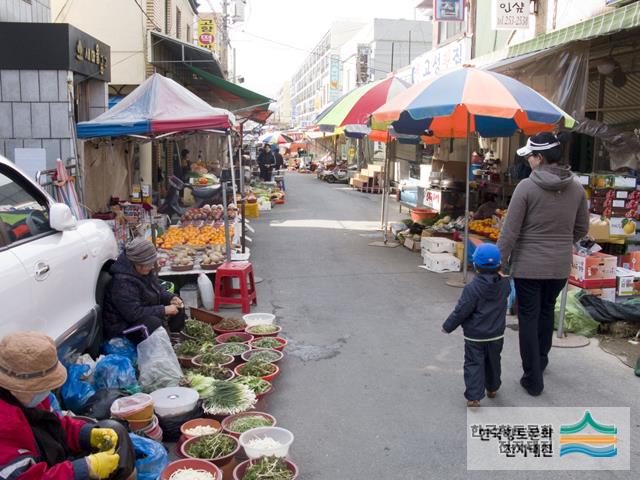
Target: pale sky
<point>292,28</point>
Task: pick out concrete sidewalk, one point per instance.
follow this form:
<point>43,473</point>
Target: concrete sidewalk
<point>370,386</point>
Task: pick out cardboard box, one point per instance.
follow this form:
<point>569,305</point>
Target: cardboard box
<point>608,294</point>
<point>627,282</point>
<point>441,262</point>
<point>411,244</point>
<point>617,224</point>
<point>438,245</point>
<point>594,271</point>
<point>630,261</point>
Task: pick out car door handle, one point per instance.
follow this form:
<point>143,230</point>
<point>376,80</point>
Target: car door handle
<point>42,270</point>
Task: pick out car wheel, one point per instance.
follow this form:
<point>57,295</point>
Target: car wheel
<point>101,286</point>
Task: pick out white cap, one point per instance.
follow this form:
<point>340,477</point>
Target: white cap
<point>531,147</point>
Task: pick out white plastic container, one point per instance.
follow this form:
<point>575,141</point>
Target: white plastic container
<point>171,401</point>
<point>189,295</point>
<point>441,262</point>
<point>206,291</point>
<point>280,435</point>
<point>438,245</point>
<point>252,319</point>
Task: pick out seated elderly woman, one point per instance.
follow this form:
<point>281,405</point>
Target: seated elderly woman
<point>136,297</point>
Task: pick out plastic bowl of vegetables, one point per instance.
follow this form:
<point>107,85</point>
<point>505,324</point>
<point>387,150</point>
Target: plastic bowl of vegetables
<point>277,468</point>
<point>259,386</point>
<point>213,358</point>
<point>218,448</point>
<point>252,319</point>
<point>256,368</point>
<point>233,349</point>
<point>186,350</point>
<point>275,343</point>
<point>197,330</point>
<point>234,337</point>
<point>230,325</point>
<point>264,330</point>
<point>200,426</point>
<point>266,442</point>
<point>236,425</point>
<point>264,354</point>
<point>191,469</point>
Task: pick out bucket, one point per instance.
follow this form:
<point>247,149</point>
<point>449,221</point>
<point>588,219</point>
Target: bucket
<point>153,430</point>
<point>189,295</point>
<point>136,409</point>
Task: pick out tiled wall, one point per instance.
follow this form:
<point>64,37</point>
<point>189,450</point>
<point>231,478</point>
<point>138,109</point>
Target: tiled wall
<point>34,113</point>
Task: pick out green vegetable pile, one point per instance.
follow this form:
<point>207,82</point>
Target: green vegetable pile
<point>212,446</point>
<point>214,358</point>
<point>200,383</point>
<point>187,348</point>
<point>232,348</point>
<point>228,398</point>
<point>247,422</point>
<point>268,342</point>
<point>263,329</point>
<point>218,373</point>
<point>268,468</point>
<point>257,384</point>
<point>265,355</point>
<point>233,339</point>
<point>231,324</point>
<point>208,346</point>
<point>198,329</point>
<point>257,368</point>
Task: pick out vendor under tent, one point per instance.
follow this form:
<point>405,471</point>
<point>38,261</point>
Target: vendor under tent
<point>467,101</point>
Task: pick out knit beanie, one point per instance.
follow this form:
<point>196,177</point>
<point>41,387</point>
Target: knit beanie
<point>141,251</point>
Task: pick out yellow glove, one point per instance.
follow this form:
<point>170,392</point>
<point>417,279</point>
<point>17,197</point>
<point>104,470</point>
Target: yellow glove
<point>103,464</point>
<point>104,439</point>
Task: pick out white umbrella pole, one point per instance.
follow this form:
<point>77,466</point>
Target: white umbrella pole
<point>233,174</point>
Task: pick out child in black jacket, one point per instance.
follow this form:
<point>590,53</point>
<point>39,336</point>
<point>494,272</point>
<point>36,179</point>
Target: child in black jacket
<point>481,310</point>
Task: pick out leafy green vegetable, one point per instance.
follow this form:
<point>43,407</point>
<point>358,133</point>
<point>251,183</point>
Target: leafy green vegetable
<point>228,398</point>
<point>202,384</point>
<point>257,384</point>
<point>231,324</point>
<point>214,358</point>
<point>263,329</point>
<point>257,368</point>
<point>198,329</point>
<point>268,468</point>
<point>247,422</point>
<point>269,342</point>
<point>212,446</point>
<point>219,373</point>
<point>265,355</point>
<point>233,339</point>
<point>187,348</point>
<point>234,349</point>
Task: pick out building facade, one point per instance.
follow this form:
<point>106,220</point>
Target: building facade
<point>51,76</point>
<point>282,113</point>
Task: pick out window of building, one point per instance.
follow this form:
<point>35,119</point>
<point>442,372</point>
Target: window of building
<point>447,30</point>
<point>167,16</point>
<point>189,36</point>
<point>178,23</point>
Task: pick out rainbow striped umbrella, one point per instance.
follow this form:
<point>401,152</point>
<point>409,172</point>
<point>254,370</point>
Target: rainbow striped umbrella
<point>355,107</point>
<point>275,138</point>
<point>470,100</point>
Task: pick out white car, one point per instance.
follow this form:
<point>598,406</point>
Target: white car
<point>53,268</point>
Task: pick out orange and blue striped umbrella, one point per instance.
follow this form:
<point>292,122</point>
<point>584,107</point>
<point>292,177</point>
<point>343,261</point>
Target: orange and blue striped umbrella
<point>494,105</point>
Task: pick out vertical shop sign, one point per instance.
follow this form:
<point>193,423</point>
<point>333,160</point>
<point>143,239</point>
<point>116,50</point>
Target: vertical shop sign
<point>334,77</point>
<point>362,64</point>
<point>449,10</point>
<point>509,15</point>
<point>207,33</point>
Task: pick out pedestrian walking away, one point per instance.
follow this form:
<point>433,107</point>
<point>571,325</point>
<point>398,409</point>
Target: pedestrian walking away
<point>547,214</point>
<point>266,162</point>
<point>481,311</point>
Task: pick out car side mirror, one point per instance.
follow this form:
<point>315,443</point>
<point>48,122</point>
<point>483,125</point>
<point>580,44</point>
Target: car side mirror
<point>61,218</point>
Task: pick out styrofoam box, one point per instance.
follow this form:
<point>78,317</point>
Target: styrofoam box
<point>441,262</point>
<point>438,245</point>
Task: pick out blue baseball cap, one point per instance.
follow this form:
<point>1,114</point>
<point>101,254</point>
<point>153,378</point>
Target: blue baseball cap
<point>487,255</point>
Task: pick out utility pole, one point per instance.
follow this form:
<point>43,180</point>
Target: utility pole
<point>225,39</point>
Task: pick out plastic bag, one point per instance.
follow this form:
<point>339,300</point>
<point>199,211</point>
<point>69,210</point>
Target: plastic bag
<point>607,312</point>
<point>76,392</point>
<point>171,425</point>
<point>151,457</point>
<point>115,371</point>
<point>53,401</point>
<point>121,346</point>
<point>99,406</point>
<point>158,363</point>
<point>576,320</point>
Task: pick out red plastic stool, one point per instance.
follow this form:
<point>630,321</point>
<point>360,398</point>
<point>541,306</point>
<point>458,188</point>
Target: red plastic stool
<point>224,291</point>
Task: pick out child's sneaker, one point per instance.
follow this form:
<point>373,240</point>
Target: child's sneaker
<point>473,403</point>
<point>492,394</point>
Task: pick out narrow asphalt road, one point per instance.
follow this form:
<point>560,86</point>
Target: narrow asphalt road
<point>370,386</point>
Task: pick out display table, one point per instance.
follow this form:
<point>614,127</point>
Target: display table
<point>166,271</point>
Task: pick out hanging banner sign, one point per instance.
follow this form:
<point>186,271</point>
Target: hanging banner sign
<point>334,78</point>
<point>510,15</point>
<point>207,33</point>
<point>440,60</point>
<point>448,10</point>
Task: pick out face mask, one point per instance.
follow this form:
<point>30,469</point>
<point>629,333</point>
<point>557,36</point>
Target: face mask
<point>37,399</point>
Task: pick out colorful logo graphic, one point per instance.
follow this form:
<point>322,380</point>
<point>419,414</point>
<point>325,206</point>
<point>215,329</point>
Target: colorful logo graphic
<point>599,445</point>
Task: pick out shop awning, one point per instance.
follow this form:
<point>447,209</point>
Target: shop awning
<point>169,54</point>
<point>244,103</point>
<point>622,18</point>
